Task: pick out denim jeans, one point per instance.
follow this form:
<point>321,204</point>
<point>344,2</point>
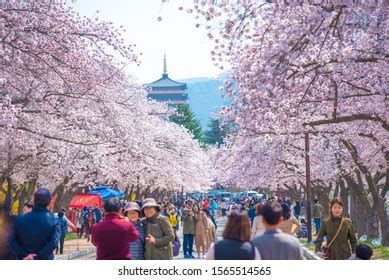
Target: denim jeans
<point>317,224</point>
<point>61,243</point>
<point>188,244</point>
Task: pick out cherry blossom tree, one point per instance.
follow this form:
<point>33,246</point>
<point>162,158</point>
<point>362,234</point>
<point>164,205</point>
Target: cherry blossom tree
<point>296,68</point>
<point>71,117</point>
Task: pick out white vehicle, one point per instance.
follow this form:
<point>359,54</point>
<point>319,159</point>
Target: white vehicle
<point>252,194</point>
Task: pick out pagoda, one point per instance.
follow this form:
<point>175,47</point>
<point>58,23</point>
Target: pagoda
<point>167,90</point>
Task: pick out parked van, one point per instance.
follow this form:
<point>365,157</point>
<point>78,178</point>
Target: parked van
<point>226,196</point>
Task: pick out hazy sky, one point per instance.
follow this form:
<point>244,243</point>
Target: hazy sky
<point>187,47</point>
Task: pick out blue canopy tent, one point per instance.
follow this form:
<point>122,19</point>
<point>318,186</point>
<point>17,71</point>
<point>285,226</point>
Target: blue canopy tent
<point>105,192</point>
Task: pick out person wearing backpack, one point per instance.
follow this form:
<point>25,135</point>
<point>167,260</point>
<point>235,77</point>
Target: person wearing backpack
<point>87,218</point>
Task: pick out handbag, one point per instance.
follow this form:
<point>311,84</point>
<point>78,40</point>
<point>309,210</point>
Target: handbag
<point>176,244</point>
<point>326,248</point>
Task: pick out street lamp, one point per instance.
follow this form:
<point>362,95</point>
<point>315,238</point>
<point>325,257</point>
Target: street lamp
<point>308,186</point>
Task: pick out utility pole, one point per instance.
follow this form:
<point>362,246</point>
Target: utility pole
<point>308,186</point>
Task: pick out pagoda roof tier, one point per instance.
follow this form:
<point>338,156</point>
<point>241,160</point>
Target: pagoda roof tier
<point>166,82</point>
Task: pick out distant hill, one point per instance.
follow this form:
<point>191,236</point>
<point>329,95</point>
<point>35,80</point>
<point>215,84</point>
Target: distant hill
<point>204,97</point>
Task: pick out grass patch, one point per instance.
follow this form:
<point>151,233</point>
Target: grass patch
<point>379,252</point>
<point>71,236</point>
<point>309,246</point>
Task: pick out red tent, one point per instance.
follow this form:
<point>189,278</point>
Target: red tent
<point>81,200</point>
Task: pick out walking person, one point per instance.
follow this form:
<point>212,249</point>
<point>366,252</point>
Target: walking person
<point>224,208</point>
<point>132,212</point>
<point>79,222</point>
<point>290,225</point>
<point>288,247</point>
<point>317,214</point>
<point>303,233</point>
<point>63,224</point>
<point>212,208</point>
<point>339,232</point>
<point>188,230</point>
<point>97,214</point>
<point>159,232</point>
<point>113,235</point>
<point>251,211</point>
<point>258,227</point>
<point>37,233</point>
<point>236,243</point>
<point>297,209</point>
<point>84,220</point>
<point>174,219</point>
<point>201,227</point>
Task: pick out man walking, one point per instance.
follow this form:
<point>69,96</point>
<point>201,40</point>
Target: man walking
<point>97,213</point>
<point>37,233</point>
<point>317,213</point>
<point>188,230</point>
<point>113,235</point>
<point>273,244</point>
<point>63,224</point>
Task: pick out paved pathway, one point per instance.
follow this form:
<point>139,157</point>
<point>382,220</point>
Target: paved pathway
<point>219,232</point>
<point>220,227</point>
<point>76,247</point>
<point>88,251</point>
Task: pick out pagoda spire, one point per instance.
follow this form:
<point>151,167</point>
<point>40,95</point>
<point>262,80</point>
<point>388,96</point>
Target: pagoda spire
<point>164,64</point>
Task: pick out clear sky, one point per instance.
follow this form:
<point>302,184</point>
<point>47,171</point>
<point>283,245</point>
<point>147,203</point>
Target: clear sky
<point>187,47</point>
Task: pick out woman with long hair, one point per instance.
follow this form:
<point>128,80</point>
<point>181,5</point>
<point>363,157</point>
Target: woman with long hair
<point>258,227</point>
<point>290,224</point>
<point>201,229</point>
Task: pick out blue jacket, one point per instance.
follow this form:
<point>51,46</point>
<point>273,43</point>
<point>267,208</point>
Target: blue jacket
<point>63,225</point>
<point>137,247</point>
<point>213,207</point>
<point>37,232</point>
<point>98,214</point>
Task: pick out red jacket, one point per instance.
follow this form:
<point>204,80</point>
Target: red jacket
<point>112,238</point>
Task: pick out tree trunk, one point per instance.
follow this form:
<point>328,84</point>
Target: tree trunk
<point>131,191</point>
<point>146,192</point>
<point>126,194</point>
<point>138,192</point>
<point>344,195</point>
<point>23,197</point>
<point>8,202</point>
<point>364,222</point>
<point>66,198</point>
<point>336,191</point>
<point>59,191</point>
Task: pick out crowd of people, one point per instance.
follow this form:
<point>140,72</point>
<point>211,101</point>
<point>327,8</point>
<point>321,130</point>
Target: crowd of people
<point>147,230</point>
